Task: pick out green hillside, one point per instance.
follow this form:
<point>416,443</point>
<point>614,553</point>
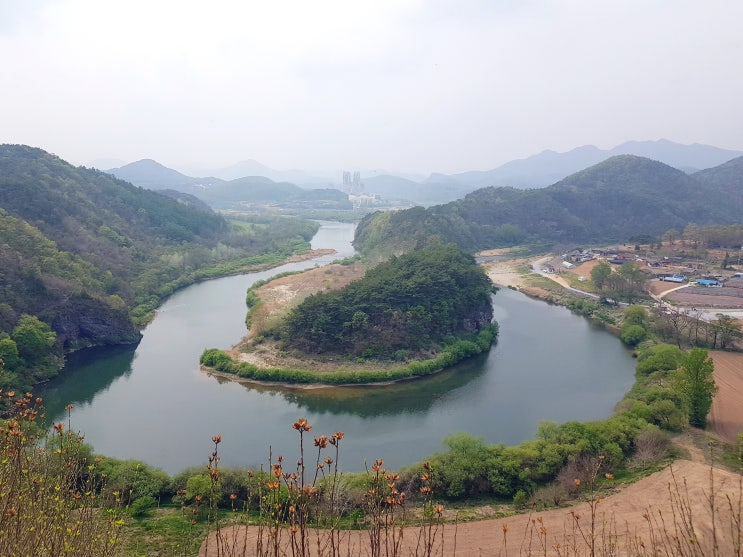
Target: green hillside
<point>90,256</point>
<point>613,201</point>
<point>410,303</point>
<point>727,179</point>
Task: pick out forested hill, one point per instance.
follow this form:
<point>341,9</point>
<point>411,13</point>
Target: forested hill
<point>410,303</point>
<point>88,254</point>
<point>621,198</point>
<point>727,179</point>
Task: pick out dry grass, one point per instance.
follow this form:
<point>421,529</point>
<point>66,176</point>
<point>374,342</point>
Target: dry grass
<point>687,509</point>
<point>50,503</point>
<point>279,296</point>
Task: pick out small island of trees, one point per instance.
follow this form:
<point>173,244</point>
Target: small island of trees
<point>427,309</point>
<point>412,302</point>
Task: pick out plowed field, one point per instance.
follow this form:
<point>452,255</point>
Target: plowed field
<point>726,416</point>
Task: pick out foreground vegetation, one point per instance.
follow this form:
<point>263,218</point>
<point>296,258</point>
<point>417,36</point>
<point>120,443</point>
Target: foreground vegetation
<point>52,499</point>
<point>59,499</point>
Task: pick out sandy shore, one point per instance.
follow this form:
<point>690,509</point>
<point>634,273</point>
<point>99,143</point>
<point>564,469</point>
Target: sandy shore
<point>508,272</point>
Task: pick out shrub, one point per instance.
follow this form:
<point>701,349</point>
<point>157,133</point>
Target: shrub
<point>51,498</point>
<point>142,506</point>
<point>650,446</point>
<point>550,495</point>
<point>635,315</point>
<point>632,335</point>
<point>662,357</point>
<point>521,499</point>
<point>400,355</point>
<point>133,479</point>
<point>218,359</point>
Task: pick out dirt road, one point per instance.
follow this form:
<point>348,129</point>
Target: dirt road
<point>622,522</point>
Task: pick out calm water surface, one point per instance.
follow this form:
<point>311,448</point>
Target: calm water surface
<point>154,404</point>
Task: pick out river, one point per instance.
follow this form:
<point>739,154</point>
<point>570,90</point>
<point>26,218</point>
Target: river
<point>154,404</point>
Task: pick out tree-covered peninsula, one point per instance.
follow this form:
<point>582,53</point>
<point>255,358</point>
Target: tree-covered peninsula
<point>411,303</point>
<point>408,316</point>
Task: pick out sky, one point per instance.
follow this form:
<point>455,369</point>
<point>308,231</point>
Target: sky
<point>403,85</point>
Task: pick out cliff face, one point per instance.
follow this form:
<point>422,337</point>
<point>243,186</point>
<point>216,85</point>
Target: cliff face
<point>478,317</point>
<point>83,322</point>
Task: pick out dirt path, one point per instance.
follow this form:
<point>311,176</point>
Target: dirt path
<point>623,520</point>
<point>689,441</point>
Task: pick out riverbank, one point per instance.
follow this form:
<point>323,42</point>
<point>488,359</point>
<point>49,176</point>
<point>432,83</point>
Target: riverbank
<point>725,419</point>
<point>518,274</point>
<point>341,375</point>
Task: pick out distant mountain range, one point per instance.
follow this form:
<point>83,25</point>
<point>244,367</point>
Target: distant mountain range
<point>615,200</point>
<point>233,193</point>
<point>549,167</point>
<point>252,167</point>
<point>537,171</point>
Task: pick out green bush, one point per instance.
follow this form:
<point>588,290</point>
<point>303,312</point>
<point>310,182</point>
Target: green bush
<point>141,507</point>
<point>133,479</point>
<point>659,357</point>
<point>632,335</point>
<point>521,499</point>
<point>217,359</point>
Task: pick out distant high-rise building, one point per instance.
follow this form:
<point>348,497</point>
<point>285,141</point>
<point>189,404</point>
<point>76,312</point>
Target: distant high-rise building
<point>352,184</point>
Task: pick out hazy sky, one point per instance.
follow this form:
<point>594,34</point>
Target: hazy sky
<point>406,85</point>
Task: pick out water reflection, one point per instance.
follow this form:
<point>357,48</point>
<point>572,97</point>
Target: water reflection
<point>415,396</point>
<point>90,378</point>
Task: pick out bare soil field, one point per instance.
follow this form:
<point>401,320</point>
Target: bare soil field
<point>726,416</point>
<point>660,286</point>
<point>585,268</point>
<point>700,300</point>
<point>624,521</point>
